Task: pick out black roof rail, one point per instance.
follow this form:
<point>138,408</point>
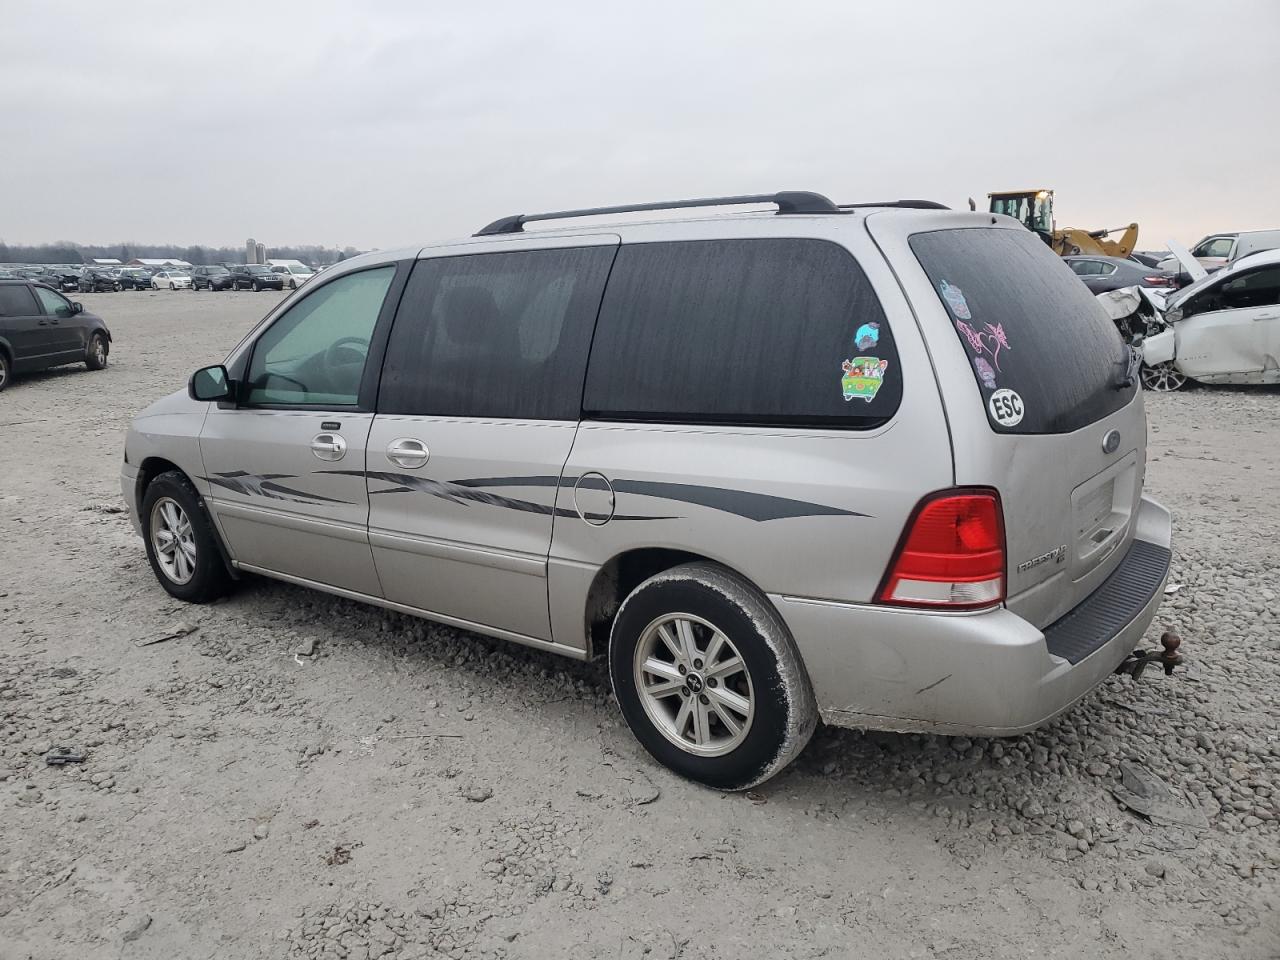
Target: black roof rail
<point>905,204</point>
<point>788,201</point>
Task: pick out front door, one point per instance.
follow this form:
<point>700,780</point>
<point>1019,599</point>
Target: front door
<point>285,467</point>
<point>1231,332</point>
<point>63,329</point>
<point>480,399</point>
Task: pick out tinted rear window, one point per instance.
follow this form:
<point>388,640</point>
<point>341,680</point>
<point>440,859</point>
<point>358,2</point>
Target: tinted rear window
<point>742,331</point>
<point>16,301</point>
<point>495,334</point>
<point>1028,325</point>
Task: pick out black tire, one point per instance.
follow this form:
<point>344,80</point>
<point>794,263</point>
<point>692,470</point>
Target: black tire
<point>6,370</point>
<point>235,285</point>
<point>257,288</point>
<point>95,353</point>
<point>210,579</point>
<point>117,288</point>
<point>785,710</point>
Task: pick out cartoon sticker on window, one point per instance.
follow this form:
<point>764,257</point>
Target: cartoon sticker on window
<point>985,373</point>
<point>868,336</point>
<point>862,377</point>
<point>955,299</point>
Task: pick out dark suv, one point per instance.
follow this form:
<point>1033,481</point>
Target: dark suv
<point>211,278</point>
<point>41,328</point>
<point>255,277</point>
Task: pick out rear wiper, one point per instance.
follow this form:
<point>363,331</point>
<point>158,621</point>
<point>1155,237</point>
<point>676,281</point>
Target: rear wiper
<point>1132,364</point>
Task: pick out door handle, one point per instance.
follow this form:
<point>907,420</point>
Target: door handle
<point>43,323</point>
<point>408,453</point>
<point>328,446</point>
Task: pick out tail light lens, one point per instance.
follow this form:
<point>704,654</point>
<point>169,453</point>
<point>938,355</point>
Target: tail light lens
<point>1159,281</point>
<point>951,555</point>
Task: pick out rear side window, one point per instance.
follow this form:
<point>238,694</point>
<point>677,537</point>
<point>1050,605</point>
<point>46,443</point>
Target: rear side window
<point>495,335</point>
<point>761,331</point>
<point>16,301</point>
<point>1044,353</point>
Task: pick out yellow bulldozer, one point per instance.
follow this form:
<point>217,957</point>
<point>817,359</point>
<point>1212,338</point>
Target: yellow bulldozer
<point>1034,209</point>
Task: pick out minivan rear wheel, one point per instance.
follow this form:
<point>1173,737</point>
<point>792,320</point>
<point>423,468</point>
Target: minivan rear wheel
<point>181,543</point>
<point>708,677</point>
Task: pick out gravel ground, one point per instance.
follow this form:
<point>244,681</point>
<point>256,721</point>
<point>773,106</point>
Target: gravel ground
<point>301,776</point>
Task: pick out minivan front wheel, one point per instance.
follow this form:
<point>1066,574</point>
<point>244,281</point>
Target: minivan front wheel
<point>708,677</point>
<point>180,540</point>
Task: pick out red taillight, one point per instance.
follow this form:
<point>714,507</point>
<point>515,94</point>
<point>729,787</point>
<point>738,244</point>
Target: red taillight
<point>951,555</point>
<point>1159,281</point>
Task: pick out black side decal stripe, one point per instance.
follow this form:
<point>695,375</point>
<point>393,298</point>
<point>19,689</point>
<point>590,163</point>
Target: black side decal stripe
<point>743,503</point>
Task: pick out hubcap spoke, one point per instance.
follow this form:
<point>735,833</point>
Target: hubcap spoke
<point>732,700</point>
<point>672,644</point>
<point>731,723</point>
<point>688,645</point>
<point>725,669</point>
<point>701,723</point>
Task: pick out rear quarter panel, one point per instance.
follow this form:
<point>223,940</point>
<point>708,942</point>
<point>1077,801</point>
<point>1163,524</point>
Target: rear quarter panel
<point>802,512</point>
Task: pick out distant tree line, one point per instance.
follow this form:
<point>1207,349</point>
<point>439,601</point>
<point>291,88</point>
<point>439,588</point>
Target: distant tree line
<point>66,252</point>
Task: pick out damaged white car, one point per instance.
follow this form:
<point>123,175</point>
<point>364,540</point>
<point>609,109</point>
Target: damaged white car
<point>1223,328</point>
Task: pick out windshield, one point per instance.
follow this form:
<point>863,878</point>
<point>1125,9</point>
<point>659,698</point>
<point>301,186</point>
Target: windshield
<point>215,270</point>
<point>257,268</point>
<point>299,268</point>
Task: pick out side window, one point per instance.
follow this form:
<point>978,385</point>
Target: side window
<point>1261,288</point>
<point>753,331</point>
<point>495,334</point>
<point>315,353</point>
<point>1215,247</point>
<point>1106,269</point>
<point>53,304</point>
<point>16,301</point>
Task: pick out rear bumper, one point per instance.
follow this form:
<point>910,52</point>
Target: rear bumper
<point>987,674</point>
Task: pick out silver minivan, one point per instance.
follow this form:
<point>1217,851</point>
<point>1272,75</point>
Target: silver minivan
<point>876,465</point>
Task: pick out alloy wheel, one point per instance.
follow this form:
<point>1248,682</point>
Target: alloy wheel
<point>1163,377</point>
<point>99,351</point>
<point>694,685</point>
<point>173,540</point>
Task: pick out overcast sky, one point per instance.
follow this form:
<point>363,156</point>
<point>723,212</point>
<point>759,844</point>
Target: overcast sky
<point>392,123</point>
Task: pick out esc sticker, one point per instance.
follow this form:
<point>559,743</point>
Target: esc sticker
<point>955,299</point>
<point>1005,407</point>
<point>862,377</point>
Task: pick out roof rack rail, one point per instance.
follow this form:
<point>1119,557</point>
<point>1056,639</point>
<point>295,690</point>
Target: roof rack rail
<point>788,201</point>
<point>905,204</point>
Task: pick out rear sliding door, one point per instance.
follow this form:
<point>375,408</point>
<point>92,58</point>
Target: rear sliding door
<point>479,403</point>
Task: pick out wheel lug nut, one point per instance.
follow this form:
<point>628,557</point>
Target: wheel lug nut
<point>712,681</point>
<point>683,669</point>
<point>684,691</point>
<point>697,664</point>
<point>703,698</point>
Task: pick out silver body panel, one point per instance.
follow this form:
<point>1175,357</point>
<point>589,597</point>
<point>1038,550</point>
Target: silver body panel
<point>506,525</point>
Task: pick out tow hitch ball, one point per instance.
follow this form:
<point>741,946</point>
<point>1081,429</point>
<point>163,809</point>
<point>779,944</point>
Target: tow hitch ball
<point>1169,657</point>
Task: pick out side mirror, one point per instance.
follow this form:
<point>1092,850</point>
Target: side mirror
<point>77,306</point>
<point>210,383</point>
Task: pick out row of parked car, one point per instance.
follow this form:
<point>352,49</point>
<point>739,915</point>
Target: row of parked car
<point>96,279</point>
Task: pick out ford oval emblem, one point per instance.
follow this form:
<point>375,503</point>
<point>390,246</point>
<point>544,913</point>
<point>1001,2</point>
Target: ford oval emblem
<point>1111,442</point>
